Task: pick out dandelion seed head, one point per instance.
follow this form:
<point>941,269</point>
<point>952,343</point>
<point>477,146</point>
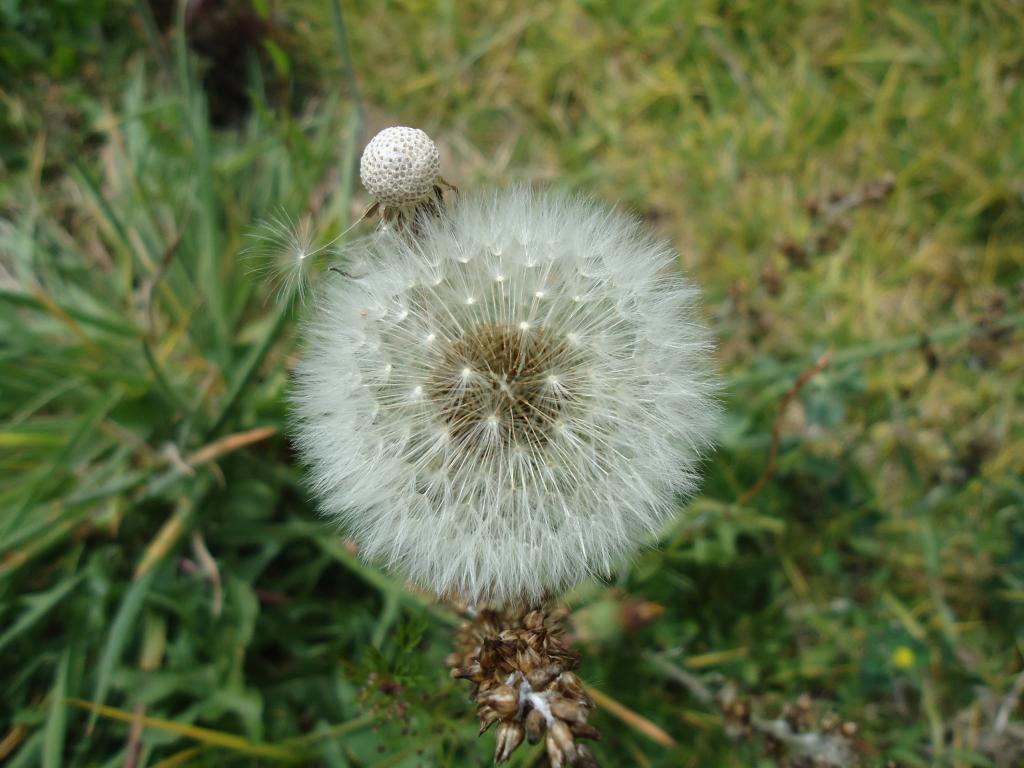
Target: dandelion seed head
<point>531,444</point>
<point>400,167</point>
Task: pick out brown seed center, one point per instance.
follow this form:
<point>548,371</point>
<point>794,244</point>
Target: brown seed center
<point>500,386</point>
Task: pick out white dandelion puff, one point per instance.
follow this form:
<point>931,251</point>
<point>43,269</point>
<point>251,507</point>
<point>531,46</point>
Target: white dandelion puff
<point>509,403</point>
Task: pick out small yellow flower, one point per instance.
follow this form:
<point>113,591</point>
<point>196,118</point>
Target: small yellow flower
<point>903,658</point>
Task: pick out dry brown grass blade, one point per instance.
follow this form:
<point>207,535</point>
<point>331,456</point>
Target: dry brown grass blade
<point>633,719</point>
<point>229,444</point>
<point>184,757</point>
<point>13,739</point>
<point>165,538</point>
<point>206,736</point>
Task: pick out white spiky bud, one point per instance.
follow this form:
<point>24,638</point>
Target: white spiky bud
<point>400,167</point>
<point>509,402</point>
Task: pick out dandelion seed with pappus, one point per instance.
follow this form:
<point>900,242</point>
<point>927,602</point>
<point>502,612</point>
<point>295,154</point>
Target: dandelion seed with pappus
<point>288,252</point>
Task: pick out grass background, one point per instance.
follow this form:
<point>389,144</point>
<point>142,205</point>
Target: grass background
<point>844,176</point>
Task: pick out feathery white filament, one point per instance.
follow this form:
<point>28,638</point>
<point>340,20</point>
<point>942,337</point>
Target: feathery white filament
<point>288,251</point>
<point>510,403</point>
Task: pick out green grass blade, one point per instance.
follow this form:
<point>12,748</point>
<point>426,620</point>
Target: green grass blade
<point>207,736</point>
<point>122,629</point>
<point>38,606</point>
<point>56,720</point>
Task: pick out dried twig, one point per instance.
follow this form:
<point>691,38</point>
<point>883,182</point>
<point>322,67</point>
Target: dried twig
<point>769,470</point>
<point>134,744</point>
<point>692,683</point>
<point>826,749</point>
<point>830,214</point>
<point>796,736</point>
